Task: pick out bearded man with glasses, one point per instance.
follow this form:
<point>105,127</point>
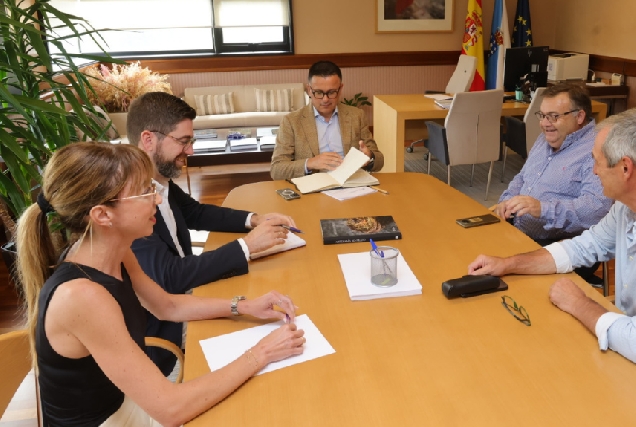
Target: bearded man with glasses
<point>161,125</point>
<point>556,195</point>
<point>318,136</point>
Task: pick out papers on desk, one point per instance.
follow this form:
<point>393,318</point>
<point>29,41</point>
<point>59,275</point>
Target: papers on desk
<point>293,241</point>
<point>222,350</point>
<point>445,104</point>
<point>356,268</point>
<point>349,193</point>
<point>348,174</point>
<point>438,96</point>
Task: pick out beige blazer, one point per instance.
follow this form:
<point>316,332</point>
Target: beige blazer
<point>297,140</point>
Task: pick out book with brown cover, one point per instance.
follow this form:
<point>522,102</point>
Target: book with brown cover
<point>359,229</point>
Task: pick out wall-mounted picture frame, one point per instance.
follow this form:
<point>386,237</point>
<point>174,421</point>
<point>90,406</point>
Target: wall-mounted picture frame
<point>414,16</point>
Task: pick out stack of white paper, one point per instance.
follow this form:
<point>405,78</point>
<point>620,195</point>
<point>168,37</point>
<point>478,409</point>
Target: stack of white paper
<point>349,193</point>
<point>293,241</point>
<point>222,350</point>
<point>356,268</point>
<point>244,144</point>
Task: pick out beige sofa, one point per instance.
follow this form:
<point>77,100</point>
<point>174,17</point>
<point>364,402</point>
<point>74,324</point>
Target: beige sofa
<point>245,104</point>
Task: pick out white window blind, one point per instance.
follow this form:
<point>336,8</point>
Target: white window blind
<point>251,13</point>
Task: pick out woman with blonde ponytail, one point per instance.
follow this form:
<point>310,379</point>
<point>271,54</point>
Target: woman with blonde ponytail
<point>85,308</point>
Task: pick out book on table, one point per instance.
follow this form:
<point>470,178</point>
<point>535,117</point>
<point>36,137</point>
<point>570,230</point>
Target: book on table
<point>348,174</point>
<point>205,134</point>
<point>244,144</point>
<point>207,146</point>
<point>359,229</point>
<point>445,104</point>
<point>267,143</point>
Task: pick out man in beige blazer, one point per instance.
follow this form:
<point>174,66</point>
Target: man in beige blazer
<point>318,136</point>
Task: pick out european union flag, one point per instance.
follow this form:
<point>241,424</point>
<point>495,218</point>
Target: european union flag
<point>522,31</point>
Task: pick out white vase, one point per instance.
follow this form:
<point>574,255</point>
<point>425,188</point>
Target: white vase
<point>119,121</point>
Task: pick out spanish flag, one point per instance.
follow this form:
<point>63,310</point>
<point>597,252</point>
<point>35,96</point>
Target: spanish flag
<point>473,43</point>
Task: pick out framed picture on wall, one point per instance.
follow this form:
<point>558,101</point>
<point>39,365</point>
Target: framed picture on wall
<point>414,16</point>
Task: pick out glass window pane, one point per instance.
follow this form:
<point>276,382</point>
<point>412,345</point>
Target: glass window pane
<point>236,13</point>
<point>253,35</point>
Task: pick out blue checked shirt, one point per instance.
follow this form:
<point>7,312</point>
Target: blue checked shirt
<point>571,195</point>
<point>613,238</point>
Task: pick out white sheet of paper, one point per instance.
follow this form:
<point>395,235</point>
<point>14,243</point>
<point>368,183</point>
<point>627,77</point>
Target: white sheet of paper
<point>291,242</point>
<point>356,268</point>
<point>349,193</point>
<point>222,350</point>
<point>438,96</point>
<point>268,140</point>
<point>199,236</point>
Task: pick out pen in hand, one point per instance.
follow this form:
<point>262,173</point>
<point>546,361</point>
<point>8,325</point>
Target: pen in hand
<point>293,229</point>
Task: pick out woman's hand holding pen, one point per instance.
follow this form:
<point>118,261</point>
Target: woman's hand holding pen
<point>263,307</point>
<point>285,341</point>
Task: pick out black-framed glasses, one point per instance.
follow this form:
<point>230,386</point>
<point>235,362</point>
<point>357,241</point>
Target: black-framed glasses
<point>516,310</point>
<point>319,94</point>
<point>553,117</point>
<point>150,191</point>
<point>180,141</point>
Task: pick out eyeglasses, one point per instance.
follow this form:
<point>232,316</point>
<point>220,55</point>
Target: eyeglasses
<point>180,141</point>
<point>517,311</point>
<point>319,94</point>
<point>150,191</point>
<point>552,117</point>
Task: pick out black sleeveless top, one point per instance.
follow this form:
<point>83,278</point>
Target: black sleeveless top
<point>75,392</point>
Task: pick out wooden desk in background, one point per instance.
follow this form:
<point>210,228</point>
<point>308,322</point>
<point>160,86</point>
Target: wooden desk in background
<point>390,112</point>
<point>418,360</point>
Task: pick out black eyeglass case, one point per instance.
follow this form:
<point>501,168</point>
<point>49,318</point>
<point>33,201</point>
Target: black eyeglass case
<point>470,286</point>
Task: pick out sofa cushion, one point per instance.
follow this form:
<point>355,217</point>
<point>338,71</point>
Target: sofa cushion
<point>277,100</point>
<point>253,119</point>
<point>214,104</point>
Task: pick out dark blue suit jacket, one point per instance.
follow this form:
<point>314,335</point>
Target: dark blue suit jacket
<point>159,258</point>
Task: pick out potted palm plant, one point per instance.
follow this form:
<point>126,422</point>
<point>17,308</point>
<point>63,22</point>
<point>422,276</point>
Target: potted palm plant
<point>41,110</point>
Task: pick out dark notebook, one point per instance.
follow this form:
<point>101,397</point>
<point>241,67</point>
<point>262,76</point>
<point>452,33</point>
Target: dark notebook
<point>359,229</point>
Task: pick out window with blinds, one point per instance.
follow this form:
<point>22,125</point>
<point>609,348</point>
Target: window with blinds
<point>169,28</point>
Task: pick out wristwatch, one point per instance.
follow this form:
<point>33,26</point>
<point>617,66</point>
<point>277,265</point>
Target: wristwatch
<point>234,305</point>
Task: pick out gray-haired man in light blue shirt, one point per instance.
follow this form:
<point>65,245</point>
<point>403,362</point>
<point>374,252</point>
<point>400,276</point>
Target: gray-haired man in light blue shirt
<point>614,236</point>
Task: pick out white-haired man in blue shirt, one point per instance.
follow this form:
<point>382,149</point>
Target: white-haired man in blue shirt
<point>614,154</point>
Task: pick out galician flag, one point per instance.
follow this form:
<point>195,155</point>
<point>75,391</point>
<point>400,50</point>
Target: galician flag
<point>473,43</point>
<point>499,42</point>
<point>522,31</point>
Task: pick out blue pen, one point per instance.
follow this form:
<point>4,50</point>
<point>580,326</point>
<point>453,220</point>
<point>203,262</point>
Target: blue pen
<point>287,318</point>
<point>294,229</point>
<point>375,248</point>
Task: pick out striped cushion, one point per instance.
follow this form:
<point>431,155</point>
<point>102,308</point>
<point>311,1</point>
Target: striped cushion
<point>279,100</point>
<point>207,105</point>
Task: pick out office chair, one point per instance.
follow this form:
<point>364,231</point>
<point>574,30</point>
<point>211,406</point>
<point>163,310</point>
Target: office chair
<point>470,133</point>
<point>460,81</point>
<point>520,135</point>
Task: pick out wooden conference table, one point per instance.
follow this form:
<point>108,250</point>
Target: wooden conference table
<point>417,360</point>
<point>390,112</point>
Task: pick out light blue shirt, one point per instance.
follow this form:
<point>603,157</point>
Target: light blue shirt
<point>571,195</point>
<point>613,237</point>
<point>329,138</point>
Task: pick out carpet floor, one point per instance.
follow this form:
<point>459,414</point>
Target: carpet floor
<point>460,175</point>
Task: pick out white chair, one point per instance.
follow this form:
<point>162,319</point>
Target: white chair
<point>460,81</point>
<point>463,75</point>
<point>470,133</point>
<point>520,135</point>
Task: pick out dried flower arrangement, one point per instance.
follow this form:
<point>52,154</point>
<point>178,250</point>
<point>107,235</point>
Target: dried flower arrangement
<point>116,88</point>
